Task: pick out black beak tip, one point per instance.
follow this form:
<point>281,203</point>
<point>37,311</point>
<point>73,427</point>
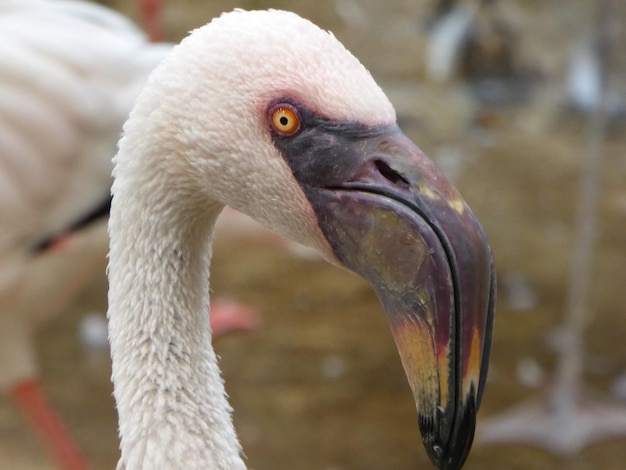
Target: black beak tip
<point>450,453</point>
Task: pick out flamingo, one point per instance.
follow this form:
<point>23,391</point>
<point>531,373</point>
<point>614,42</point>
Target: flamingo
<point>61,112</point>
<point>265,112</point>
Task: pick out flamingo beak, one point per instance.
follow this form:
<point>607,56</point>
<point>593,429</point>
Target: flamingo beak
<point>391,216</point>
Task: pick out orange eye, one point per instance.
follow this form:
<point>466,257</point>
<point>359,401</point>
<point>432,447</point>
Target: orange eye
<point>285,120</point>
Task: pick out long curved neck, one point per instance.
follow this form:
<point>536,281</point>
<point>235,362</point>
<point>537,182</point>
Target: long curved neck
<point>173,411</point>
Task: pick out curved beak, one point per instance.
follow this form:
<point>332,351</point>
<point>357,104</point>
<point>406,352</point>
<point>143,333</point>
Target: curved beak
<point>391,216</point>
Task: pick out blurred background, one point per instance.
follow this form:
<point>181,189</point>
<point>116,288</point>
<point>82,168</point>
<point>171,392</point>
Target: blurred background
<point>504,97</point>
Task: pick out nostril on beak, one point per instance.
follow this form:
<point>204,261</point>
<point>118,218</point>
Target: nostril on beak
<point>390,174</point>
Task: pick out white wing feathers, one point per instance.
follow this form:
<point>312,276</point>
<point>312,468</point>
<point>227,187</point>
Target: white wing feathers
<point>69,74</point>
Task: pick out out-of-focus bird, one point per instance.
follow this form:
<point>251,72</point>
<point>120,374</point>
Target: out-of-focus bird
<point>476,40</point>
<point>592,81</point>
<point>69,75</point>
<point>291,129</point>
<point>568,418</point>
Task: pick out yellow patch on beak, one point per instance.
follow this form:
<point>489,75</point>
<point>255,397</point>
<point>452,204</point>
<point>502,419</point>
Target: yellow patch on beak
<point>457,205</point>
<point>414,340</point>
<point>428,193</point>
<point>473,363</point>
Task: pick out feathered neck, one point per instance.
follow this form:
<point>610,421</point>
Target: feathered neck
<point>172,407</point>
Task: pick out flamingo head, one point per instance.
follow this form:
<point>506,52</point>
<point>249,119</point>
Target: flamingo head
<point>274,117</point>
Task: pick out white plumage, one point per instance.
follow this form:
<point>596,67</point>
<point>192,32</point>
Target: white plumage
<point>69,75</point>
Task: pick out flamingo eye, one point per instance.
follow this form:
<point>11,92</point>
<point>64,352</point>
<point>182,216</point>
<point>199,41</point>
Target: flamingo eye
<point>285,119</point>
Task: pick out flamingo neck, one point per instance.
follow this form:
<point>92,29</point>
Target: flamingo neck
<point>172,407</point>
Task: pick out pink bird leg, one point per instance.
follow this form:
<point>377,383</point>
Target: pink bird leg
<point>228,316</point>
<point>31,399</point>
<point>151,12</point>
